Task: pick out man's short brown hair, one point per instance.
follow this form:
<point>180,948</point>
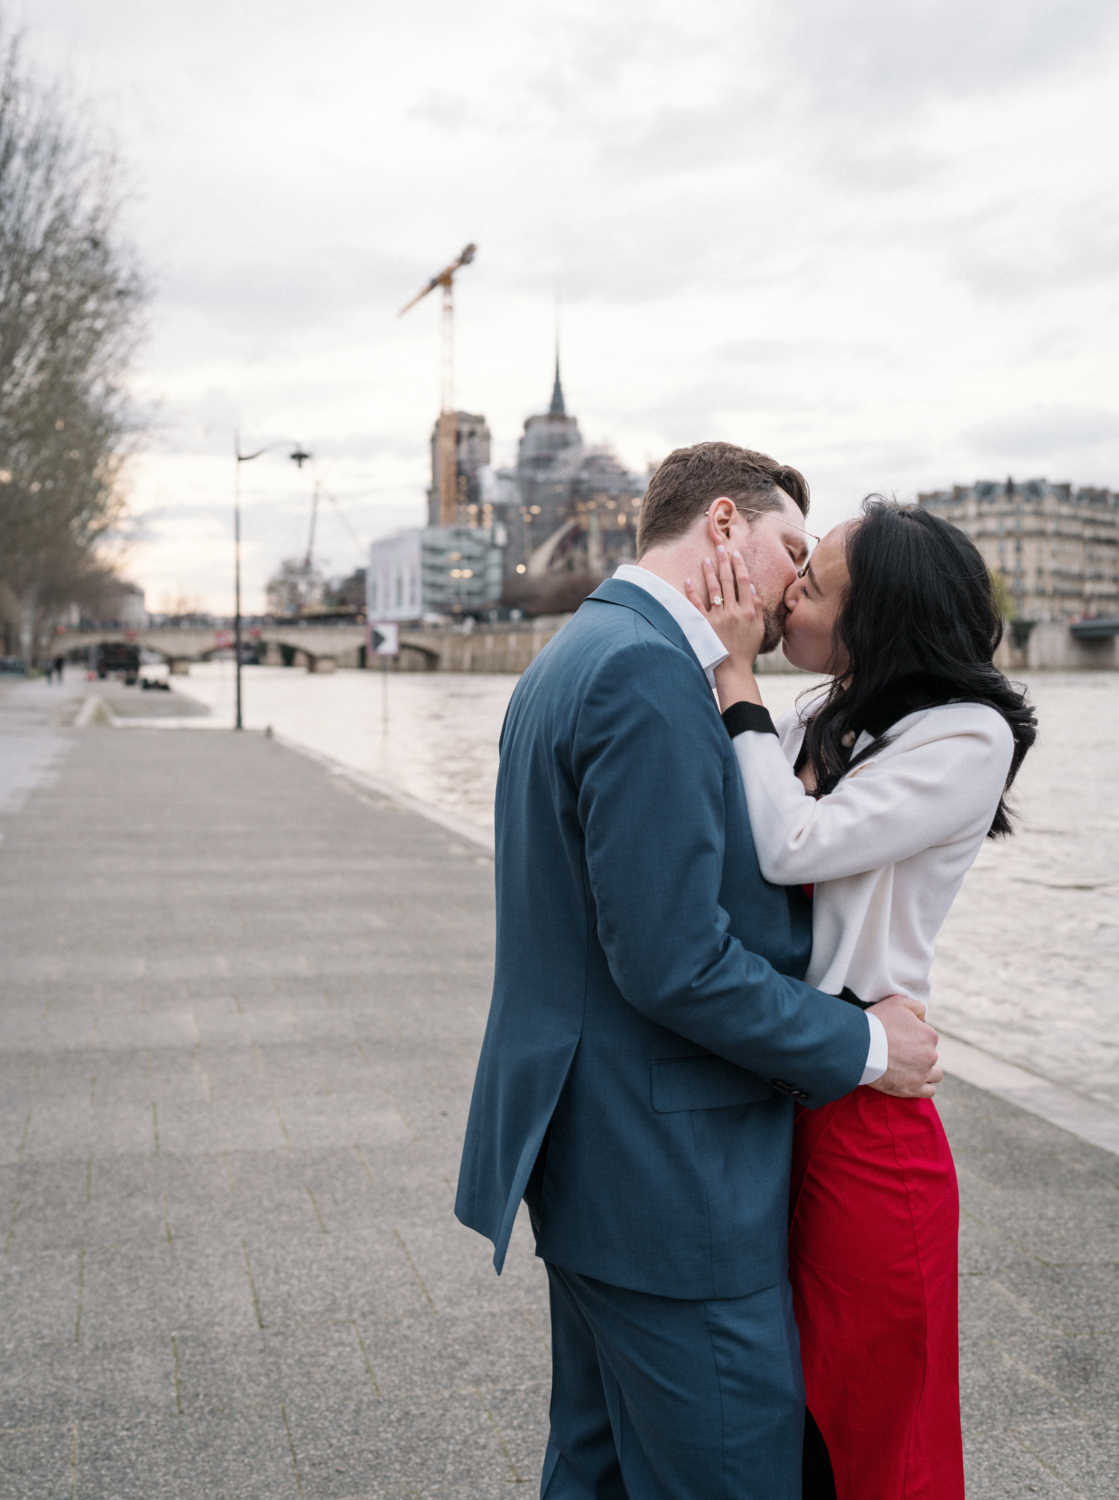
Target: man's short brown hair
<point>690,479</point>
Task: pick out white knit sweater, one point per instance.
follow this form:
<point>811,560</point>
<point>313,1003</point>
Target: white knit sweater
<point>888,849</point>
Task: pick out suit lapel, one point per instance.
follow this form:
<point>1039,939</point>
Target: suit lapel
<point>617,591</point>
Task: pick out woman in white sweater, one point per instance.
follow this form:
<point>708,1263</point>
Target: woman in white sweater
<point>875,797</point>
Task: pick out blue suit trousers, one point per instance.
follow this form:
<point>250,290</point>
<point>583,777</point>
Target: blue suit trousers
<point>657,1398</point>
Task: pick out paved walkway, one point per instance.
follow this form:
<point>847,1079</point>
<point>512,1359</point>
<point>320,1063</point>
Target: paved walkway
<point>240,1003</point>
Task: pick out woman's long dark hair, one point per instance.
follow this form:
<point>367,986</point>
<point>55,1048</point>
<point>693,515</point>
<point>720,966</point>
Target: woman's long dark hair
<point>919,618</point>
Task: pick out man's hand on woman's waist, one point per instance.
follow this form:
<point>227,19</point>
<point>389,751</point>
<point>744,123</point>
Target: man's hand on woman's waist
<point>912,1071</point>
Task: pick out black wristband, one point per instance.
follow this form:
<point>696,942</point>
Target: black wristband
<point>742,716</point>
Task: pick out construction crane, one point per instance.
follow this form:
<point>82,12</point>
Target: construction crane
<point>448,420</point>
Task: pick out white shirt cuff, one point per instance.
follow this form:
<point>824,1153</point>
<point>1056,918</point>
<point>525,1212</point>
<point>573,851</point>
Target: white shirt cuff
<point>878,1057</point>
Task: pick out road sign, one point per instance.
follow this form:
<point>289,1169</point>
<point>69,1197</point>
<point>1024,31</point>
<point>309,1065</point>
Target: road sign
<point>384,639</point>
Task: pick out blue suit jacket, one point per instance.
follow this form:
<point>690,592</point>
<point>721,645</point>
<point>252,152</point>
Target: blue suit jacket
<point>644,995</point>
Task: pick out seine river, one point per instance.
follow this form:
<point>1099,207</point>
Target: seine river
<point>1028,961</point>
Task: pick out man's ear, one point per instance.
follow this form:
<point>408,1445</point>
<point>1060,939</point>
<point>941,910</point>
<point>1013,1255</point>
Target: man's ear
<point>720,518</point>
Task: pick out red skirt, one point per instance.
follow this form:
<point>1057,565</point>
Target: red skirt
<point>873,1247</point>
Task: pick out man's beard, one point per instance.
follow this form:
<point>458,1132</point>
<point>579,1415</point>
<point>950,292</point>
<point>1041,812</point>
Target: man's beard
<point>774,631</point>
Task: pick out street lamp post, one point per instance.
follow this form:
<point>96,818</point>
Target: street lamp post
<point>299,457</point>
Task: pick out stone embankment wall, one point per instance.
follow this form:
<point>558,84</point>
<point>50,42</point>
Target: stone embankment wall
<point>1053,647</point>
<point>510,648</point>
<point>501,647</point>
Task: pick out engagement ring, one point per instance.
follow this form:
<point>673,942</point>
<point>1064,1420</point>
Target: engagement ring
<point>718,599</point>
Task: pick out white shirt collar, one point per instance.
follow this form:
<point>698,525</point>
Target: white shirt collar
<point>708,648</point>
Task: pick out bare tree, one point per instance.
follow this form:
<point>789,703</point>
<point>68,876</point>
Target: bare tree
<point>70,302</point>
<point>295,585</point>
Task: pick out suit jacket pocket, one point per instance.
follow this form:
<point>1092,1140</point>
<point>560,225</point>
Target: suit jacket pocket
<point>705,1082</point>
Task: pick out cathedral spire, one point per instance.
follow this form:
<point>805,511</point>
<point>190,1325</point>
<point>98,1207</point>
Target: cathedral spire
<point>557,408</point>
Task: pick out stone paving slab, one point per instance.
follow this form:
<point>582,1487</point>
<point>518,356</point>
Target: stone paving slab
<point>1039,1301</point>
<point>240,1004</point>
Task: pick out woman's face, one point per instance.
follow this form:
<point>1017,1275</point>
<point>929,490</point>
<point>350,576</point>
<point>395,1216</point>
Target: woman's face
<point>813,604</point>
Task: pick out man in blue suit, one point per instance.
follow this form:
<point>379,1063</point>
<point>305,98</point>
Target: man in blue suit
<point>649,1029</point>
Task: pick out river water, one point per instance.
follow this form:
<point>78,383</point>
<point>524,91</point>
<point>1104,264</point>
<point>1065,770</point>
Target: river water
<point>1028,961</point>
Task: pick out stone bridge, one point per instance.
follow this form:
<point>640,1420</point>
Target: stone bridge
<point>502,647</point>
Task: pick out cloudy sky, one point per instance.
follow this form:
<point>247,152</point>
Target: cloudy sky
<point>876,238</point>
